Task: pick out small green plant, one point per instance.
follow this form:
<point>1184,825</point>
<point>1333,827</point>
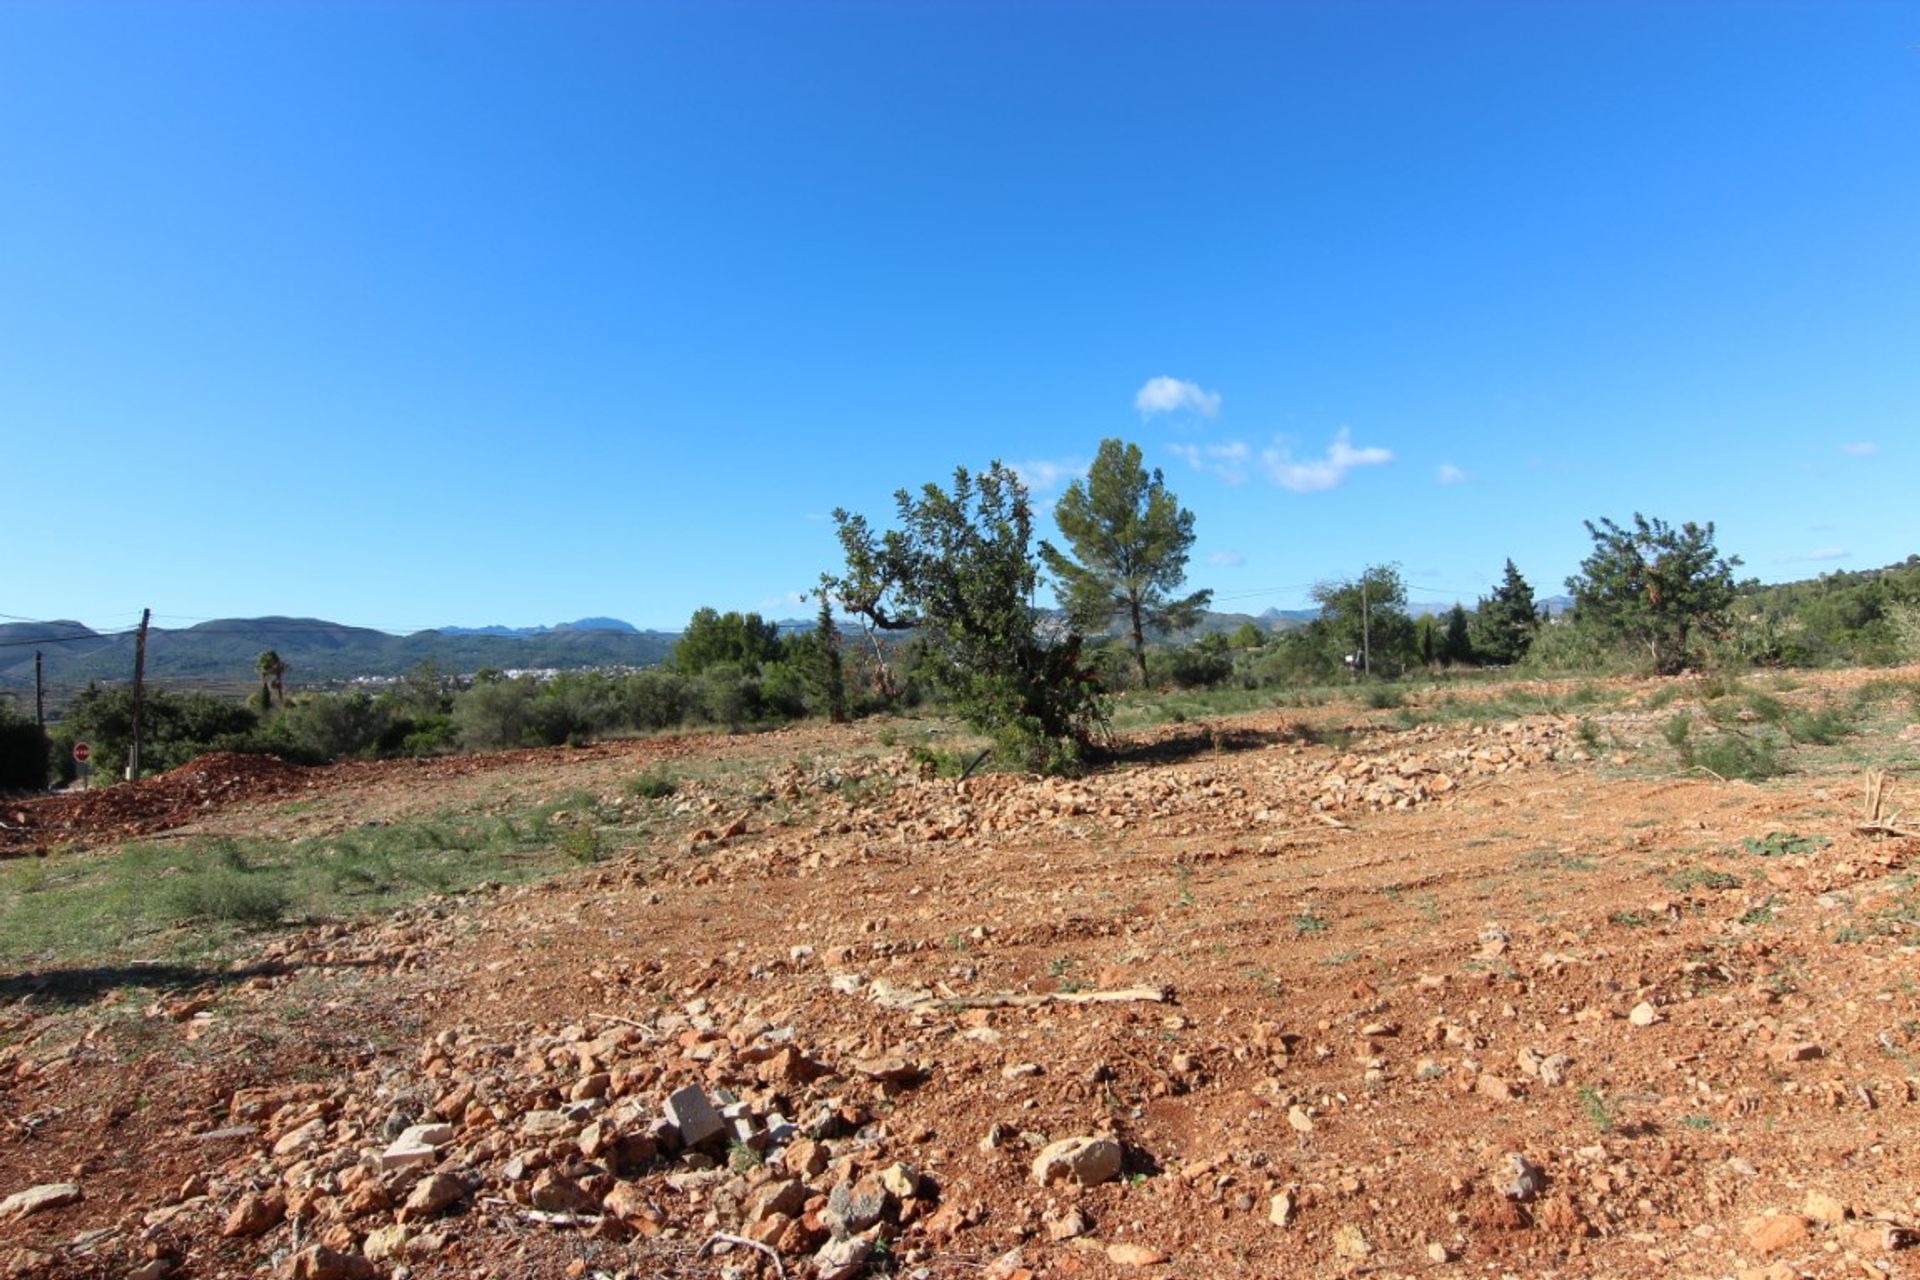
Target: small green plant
<point>1595,1108</point>
<point>1702,878</point>
<point>1557,859</point>
<point>654,784</point>
<point>742,1158</point>
<point>1730,756</point>
<point>1823,726</point>
<point>1383,698</point>
<point>1762,914</point>
<point>1631,919</point>
<point>1307,922</point>
<point>580,841</point>
<point>1700,1123</point>
<point>1184,875</point>
<point>1778,844</point>
<point>1589,734</point>
<point>1677,730</point>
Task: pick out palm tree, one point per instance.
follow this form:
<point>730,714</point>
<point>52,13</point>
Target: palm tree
<point>273,671</point>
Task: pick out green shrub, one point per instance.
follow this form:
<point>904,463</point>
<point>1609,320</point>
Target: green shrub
<point>226,888</point>
<point>496,714</point>
<point>1822,726</point>
<point>333,726</point>
<point>654,784</point>
<point>1728,756</point>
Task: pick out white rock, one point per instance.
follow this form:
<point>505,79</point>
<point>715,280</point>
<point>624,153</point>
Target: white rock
<point>1086,1161</point>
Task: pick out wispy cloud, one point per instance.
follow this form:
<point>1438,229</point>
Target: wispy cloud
<point>1043,475</point>
<point>1226,559</point>
<point>1819,555</point>
<point>1860,449</point>
<point>1314,475</point>
<point>1172,395</point>
<point>1447,473</point>
<point>1228,461</point>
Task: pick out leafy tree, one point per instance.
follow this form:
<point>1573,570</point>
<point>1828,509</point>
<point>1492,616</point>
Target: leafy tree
<point>1249,635</point>
<point>711,638</point>
<point>1655,587</point>
<point>959,570</point>
<point>1367,618</point>
<point>174,727</point>
<point>1505,622</point>
<point>1130,539</point>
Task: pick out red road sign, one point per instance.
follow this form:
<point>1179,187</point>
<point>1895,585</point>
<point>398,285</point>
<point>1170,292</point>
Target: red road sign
<point>82,752</point>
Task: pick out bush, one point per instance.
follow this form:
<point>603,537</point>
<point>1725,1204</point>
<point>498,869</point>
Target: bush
<point>654,700</point>
<point>1189,666</point>
<point>333,726</point>
<point>227,888</point>
<point>1737,757</point>
<point>498,714</point>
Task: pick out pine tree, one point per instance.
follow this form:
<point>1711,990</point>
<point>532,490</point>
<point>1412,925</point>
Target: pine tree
<point>1654,587</point>
<point>1130,540</point>
<point>1506,621</point>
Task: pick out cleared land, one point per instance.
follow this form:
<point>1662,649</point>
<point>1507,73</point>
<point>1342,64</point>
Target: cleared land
<point>1519,981</point>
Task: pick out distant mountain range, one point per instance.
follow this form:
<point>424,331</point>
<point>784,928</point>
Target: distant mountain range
<point>584,624</point>
<point>315,650</point>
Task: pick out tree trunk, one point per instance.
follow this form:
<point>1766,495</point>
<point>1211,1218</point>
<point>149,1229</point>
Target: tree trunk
<point>1139,641</point>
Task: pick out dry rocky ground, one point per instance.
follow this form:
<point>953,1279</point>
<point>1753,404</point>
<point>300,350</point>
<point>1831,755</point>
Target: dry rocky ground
<point>1295,993</point>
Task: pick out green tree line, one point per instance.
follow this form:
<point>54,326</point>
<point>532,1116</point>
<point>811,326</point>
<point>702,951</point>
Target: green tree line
<point>943,606</point>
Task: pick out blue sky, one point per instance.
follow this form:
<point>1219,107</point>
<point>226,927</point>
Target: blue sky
<point>413,314</point>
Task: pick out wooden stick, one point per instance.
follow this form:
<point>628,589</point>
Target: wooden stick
<point>1012,1000</point>
<point>778,1268</point>
<point>628,1022</point>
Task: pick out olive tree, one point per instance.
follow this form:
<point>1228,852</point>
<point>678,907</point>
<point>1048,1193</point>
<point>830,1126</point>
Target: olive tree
<point>959,572</point>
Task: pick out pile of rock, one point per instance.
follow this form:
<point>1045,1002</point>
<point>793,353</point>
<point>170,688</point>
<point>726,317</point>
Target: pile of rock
<point>678,1129</point>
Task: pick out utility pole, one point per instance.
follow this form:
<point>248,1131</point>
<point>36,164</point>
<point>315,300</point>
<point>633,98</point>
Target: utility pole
<point>1366,631</point>
<point>139,687</point>
<point>39,695</point>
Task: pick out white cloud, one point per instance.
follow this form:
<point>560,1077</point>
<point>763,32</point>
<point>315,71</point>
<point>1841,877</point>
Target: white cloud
<point>1226,559</point>
<point>1228,461</point>
<point>1314,475</point>
<point>1860,449</point>
<point>1042,475</point>
<point>1819,555</point>
<point>1447,473</point>
<point>1171,395</point>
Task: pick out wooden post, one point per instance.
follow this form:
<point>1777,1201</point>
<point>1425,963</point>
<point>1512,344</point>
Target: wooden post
<point>139,686</point>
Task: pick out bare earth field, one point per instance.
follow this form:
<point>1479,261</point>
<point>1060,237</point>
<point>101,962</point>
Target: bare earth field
<point>1330,991</point>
